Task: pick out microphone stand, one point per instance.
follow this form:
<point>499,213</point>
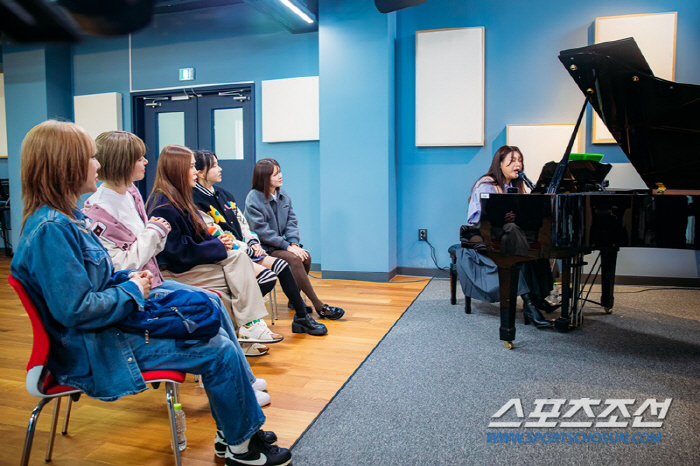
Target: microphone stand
<point>526,180</point>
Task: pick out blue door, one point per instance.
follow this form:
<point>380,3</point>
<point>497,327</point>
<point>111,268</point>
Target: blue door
<point>217,119</point>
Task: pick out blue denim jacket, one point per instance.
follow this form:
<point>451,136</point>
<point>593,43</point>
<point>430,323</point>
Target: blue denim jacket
<point>70,277</point>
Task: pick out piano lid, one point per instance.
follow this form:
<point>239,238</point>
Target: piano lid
<point>655,122</point>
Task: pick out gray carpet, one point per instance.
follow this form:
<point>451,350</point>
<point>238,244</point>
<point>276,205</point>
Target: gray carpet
<point>426,394</point>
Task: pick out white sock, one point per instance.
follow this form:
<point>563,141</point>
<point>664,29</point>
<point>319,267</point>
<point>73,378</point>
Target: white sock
<point>240,448</point>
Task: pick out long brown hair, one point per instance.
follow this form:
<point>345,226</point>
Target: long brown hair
<point>173,182</point>
<point>118,152</point>
<point>54,164</point>
<point>262,172</point>
<point>496,174</point>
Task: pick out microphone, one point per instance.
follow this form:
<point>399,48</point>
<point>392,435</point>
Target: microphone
<point>526,180</point>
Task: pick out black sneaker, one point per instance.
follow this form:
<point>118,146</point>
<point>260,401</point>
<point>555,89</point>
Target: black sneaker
<point>330,312</point>
<point>308,325</point>
<point>220,444</point>
<point>260,454</point>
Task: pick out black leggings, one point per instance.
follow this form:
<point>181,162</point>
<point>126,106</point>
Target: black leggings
<point>282,272</point>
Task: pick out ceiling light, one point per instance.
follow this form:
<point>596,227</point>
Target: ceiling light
<point>297,10</point>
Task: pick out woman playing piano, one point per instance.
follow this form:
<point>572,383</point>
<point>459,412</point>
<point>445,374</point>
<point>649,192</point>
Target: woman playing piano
<point>477,273</point>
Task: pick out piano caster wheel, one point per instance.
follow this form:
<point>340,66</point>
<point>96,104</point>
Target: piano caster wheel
<point>608,310</point>
<point>509,345</point>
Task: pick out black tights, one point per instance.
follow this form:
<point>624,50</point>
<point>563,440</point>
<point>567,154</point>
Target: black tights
<point>282,272</point>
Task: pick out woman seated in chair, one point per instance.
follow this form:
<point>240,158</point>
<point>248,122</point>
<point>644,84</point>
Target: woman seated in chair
<point>219,207</point>
<point>268,209</point>
<point>71,280</point>
<point>477,273</point>
<point>193,256</point>
<point>119,220</point>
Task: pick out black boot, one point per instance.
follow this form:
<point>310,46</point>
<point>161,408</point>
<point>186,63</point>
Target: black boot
<point>532,314</point>
<point>307,325</point>
<point>543,305</point>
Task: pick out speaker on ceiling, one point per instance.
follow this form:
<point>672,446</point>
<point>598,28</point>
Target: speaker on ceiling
<point>387,6</point>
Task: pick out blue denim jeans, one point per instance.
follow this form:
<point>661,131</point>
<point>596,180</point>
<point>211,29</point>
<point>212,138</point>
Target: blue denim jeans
<point>232,399</point>
<point>226,324</point>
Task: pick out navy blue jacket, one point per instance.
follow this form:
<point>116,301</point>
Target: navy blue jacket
<point>184,248</point>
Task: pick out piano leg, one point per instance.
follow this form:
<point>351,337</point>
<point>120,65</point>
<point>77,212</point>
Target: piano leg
<point>564,321</point>
<point>607,278</point>
<point>508,278</point>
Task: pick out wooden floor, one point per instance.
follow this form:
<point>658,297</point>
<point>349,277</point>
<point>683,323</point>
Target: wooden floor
<point>303,372</point>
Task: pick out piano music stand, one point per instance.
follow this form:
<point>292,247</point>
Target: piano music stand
<point>580,176</point>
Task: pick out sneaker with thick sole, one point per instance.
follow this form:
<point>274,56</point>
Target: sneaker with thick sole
<point>254,349</point>
<point>260,454</point>
<point>220,444</point>
<point>308,325</point>
<point>258,333</point>
<point>262,397</point>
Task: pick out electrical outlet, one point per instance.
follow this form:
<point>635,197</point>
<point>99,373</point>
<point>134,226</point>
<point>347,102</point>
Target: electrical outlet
<point>422,234</point>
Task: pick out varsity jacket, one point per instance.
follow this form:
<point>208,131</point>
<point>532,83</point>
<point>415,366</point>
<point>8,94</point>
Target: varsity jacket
<point>222,209</point>
<point>128,251</point>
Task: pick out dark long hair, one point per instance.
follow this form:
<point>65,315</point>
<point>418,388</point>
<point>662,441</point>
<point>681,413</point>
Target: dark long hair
<point>204,160</point>
<point>264,168</point>
<point>496,174</point>
<point>173,182</point>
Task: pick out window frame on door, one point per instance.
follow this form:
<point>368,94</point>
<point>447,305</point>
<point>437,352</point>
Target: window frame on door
<point>141,98</point>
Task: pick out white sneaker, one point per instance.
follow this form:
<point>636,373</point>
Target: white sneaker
<point>263,398</point>
<point>258,332</point>
<point>254,349</point>
<point>260,384</point>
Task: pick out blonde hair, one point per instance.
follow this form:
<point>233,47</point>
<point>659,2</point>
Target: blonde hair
<point>54,166</point>
<point>118,152</point>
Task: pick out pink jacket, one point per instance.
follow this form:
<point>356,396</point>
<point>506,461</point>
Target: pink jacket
<point>127,250</point>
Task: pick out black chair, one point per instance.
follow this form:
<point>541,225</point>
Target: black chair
<point>453,279</point>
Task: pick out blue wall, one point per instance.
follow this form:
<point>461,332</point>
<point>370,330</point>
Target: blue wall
<point>366,65</point>
<point>525,83</point>
<point>228,44</point>
<point>358,211</point>
<point>37,87</point>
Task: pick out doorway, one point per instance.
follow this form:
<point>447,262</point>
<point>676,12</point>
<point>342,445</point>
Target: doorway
<point>216,118</point>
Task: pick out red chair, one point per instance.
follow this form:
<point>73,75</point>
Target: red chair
<point>42,384</point>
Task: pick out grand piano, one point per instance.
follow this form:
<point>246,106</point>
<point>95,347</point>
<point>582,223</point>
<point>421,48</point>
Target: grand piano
<point>657,124</point>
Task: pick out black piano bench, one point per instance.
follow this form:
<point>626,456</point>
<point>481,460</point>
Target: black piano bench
<point>453,279</point>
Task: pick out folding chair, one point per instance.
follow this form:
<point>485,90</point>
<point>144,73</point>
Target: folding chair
<point>42,384</point>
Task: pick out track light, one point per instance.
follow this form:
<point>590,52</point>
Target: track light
<point>303,15</point>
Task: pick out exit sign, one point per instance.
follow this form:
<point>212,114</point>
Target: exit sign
<point>186,74</point>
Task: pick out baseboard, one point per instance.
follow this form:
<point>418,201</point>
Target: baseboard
<point>638,280</point>
<point>315,267</point>
<point>423,272</point>
<point>364,276</point>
